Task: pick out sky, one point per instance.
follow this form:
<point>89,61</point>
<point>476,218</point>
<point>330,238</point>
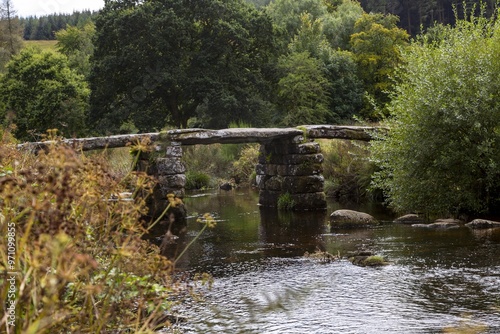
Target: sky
<point>26,8</point>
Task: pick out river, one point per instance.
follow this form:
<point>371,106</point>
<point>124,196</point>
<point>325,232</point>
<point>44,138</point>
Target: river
<point>435,282</point>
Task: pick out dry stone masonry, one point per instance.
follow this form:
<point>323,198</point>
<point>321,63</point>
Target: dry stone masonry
<point>287,167</point>
<point>290,162</point>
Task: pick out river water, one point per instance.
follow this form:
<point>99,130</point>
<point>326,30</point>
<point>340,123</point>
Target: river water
<point>435,282</point>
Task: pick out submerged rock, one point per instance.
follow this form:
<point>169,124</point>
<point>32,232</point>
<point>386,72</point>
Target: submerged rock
<point>226,186</point>
<point>437,226</point>
<point>350,219</point>
<point>368,259</point>
<point>410,219</point>
<point>449,221</point>
<point>483,224</point>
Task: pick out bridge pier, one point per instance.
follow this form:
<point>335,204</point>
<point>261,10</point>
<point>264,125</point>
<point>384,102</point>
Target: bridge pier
<point>166,166</point>
<point>292,169</point>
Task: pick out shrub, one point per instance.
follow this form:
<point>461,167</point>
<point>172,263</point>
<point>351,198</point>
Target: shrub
<point>347,170</point>
<point>244,167</point>
<point>40,92</point>
<point>197,180</point>
<point>442,153</point>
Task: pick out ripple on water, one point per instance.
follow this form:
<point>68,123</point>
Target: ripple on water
<point>302,296</point>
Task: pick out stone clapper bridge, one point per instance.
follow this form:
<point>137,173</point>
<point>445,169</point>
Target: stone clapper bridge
<point>290,162</point>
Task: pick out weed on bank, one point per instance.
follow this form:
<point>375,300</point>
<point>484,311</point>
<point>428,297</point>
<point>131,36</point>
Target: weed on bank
<point>76,252</point>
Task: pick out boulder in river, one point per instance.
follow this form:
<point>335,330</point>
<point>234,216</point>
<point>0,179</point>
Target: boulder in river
<point>482,224</point>
<point>350,219</point>
<point>410,219</point>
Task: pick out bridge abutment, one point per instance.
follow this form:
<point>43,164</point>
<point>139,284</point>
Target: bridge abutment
<point>293,172</point>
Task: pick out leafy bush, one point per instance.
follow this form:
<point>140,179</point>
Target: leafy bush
<point>442,153</point>
<point>40,92</point>
<point>347,170</point>
<point>244,167</point>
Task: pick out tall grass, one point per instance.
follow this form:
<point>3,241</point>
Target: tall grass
<point>80,263</point>
<point>347,170</point>
<point>220,163</point>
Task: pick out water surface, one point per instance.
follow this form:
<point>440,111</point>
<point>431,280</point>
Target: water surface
<point>436,281</point>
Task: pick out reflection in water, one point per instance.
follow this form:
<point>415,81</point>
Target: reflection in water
<point>263,284</point>
<point>291,233</point>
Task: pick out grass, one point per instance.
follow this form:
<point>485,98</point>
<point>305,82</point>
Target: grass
<point>227,161</point>
<point>347,170</point>
<point>44,45</point>
<point>286,202</point>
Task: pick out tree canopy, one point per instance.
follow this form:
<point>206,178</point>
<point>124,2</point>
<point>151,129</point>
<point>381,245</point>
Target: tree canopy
<point>165,62</point>
<point>39,92</point>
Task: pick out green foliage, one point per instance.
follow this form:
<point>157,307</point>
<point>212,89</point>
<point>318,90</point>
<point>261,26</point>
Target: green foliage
<point>10,33</point>
<point>45,27</point>
<point>180,59</point>
<point>197,180</point>
<point>244,166</point>
<point>40,92</point>
<point>286,14</point>
<point>376,45</point>
<point>310,37</point>
<point>339,25</point>
<point>218,166</point>
<point>347,170</point>
<point>345,88</point>
<point>302,90</point>
<point>442,153</point>
<point>286,202</point>
<point>76,44</point>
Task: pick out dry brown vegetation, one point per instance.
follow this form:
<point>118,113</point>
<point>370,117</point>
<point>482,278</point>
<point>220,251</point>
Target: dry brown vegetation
<point>81,264</point>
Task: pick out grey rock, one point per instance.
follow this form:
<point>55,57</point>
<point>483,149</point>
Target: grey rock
<point>438,226</point>
<point>410,219</point>
<point>351,218</point>
<point>483,224</point>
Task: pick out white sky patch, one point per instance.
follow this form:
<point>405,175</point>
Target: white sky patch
<point>39,8</point>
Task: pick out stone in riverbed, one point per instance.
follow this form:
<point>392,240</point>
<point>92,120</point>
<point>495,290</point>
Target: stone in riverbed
<point>483,224</point>
<point>410,219</point>
<point>350,219</point>
<point>438,225</point>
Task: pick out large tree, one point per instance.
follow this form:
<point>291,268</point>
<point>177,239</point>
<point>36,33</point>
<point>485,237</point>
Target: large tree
<point>76,43</point>
<point>10,33</point>
<point>343,93</point>
<point>39,92</point>
<point>442,153</point>
<point>166,62</point>
<point>376,44</point>
<point>302,90</point>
